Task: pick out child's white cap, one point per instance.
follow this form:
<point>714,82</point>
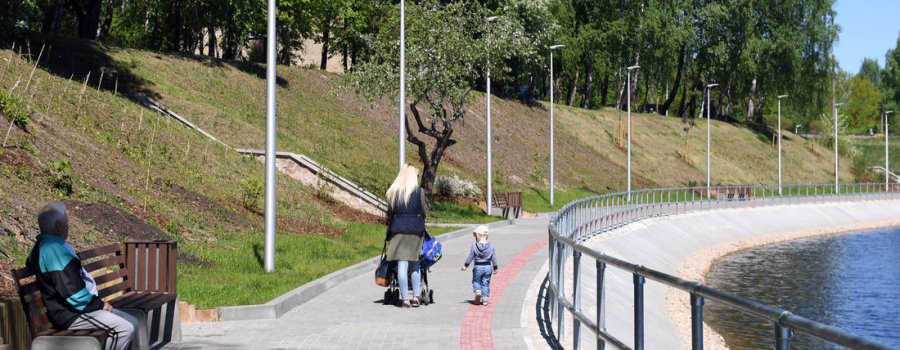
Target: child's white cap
<point>481,230</point>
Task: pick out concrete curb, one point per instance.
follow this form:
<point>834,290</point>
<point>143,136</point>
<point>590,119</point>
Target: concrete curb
<point>290,300</point>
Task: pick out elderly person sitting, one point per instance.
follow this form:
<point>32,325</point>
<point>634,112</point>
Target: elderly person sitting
<point>69,292</point>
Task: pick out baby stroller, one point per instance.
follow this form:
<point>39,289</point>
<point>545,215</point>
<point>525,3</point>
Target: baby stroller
<point>431,253</point>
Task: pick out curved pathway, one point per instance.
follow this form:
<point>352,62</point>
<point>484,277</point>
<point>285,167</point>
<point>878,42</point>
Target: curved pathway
<point>351,315</point>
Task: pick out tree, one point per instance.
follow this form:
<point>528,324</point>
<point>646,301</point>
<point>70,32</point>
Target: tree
<point>446,44</point>
<point>890,77</point>
<point>871,71</point>
<point>863,107</point>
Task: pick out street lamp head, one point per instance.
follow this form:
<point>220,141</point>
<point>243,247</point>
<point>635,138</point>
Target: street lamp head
<point>554,47</point>
<point>836,105</point>
<point>710,86</point>
<point>888,112</point>
<point>633,67</point>
<point>782,96</point>
<point>492,18</point>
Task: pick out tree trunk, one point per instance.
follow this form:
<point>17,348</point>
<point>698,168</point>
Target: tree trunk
<point>588,85</point>
<point>345,51</point>
<point>52,12</point>
<point>750,106</point>
<point>604,89</point>
<point>726,91</point>
<point>107,20</point>
<point>285,56</point>
<point>326,41</point>
<point>674,91</point>
<point>88,17</point>
<point>571,95</point>
<point>212,42</point>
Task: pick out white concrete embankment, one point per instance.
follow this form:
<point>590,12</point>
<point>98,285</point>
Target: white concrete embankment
<point>687,245</point>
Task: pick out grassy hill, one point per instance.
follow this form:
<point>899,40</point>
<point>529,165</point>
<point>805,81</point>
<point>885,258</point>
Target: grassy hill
<point>134,174</point>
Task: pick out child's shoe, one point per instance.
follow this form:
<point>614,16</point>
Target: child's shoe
<point>477,297</point>
<point>484,301</point>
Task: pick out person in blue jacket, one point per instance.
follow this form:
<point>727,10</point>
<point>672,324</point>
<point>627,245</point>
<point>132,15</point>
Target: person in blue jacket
<point>407,209</point>
<point>70,292</point>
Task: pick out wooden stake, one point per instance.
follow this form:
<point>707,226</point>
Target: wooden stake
<point>80,96</point>
<point>27,85</point>
<point>141,120</point>
<point>100,82</point>
<point>205,148</point>
<point>11,53</point>
<point>187,150</point>
<point>149,164</point>
<point>116,89</point>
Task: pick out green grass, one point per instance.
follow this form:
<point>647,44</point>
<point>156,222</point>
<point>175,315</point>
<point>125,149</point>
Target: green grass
<point>538,200</point>
<point>452,213</point>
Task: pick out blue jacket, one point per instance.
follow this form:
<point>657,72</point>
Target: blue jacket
<point>60,280</point>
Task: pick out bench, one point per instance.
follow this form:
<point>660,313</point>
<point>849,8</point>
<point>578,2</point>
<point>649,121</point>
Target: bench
<point>139,280</point>
<point>508,201</point>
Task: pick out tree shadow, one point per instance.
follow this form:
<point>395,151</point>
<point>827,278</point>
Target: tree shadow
<point>70,57</point>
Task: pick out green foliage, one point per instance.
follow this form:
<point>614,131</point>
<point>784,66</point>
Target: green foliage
<point>870,71</point>
<point>16,109</point>
<point>61,176</point>
<point>863,107</point>
<point>252,191</point>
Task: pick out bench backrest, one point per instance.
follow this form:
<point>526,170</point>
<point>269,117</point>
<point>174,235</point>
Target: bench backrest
<point>32,303</point>
<point>515,199</point>
<point>151,265</point>
<point>107,265</point>
<point>500,200</point>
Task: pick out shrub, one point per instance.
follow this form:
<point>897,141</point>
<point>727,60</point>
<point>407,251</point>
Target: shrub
<point>14,108</point>
<point>456,187</point>
<point>252,189</point>
<point>61,177</point>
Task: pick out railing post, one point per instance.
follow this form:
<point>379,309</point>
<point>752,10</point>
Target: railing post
<point>560,280</point>
<point>638,312</point>
<point>782,337</point>
<point>576,298</point>
<point>696,322</point>
<point>601,310</point>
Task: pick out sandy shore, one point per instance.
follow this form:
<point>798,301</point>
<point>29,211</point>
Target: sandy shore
<point>697,266</point>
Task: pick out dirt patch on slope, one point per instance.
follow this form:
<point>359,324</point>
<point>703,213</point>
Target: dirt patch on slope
<point>114,221</point>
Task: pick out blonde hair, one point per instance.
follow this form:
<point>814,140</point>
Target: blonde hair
<point>404,185</point>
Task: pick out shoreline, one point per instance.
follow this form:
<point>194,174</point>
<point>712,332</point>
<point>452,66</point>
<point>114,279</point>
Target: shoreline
<point>697,266</point>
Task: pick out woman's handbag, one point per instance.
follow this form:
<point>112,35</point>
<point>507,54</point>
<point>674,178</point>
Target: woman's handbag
<point>383,272</point>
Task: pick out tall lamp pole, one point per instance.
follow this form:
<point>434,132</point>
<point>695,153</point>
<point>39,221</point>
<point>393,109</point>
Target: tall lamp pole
<point>402,85</point>
<point>554,47</point>
<point>490,180</point>
<point>779,143</point>
<point>837,188</point>
<point>628,74</point>
<point>887,163</point>
<point>708,144</point>
<point>270,141</point>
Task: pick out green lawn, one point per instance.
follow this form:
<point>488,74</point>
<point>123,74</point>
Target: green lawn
<point>451,213</point>
<point>538,200</point>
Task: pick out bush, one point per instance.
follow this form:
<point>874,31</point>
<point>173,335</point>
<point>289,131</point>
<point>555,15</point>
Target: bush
<point>61,176</point>
<point>253,189</point>
<point>14,108</point>
<point>456,187</point>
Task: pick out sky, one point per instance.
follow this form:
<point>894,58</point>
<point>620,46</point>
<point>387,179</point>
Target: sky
<point>869,28</point>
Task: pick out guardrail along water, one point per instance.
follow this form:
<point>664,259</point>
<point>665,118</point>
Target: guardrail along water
<point>581,220</point>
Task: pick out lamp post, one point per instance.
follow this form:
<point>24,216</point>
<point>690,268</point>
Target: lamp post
<point>628,74</point>
<point>708,144</point>
<point>887,163</point>
<point>554,47</point>
<point>490,180</point>
<point>269,262</point>
<point>837,188</point>
<point>779,142</point>
<point>797,129</point>
<point>402,138</point>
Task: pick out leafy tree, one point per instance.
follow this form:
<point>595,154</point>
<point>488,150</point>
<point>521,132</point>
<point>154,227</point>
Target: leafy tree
<point>863,108</point>
<point>890,77</point>
<point>871,71</point>
<point>446,44</point>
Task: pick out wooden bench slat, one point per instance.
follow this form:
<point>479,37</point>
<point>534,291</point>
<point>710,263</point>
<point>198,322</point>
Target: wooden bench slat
<point>117,260</point>
<point>93,253</point>
<point>111,276</point>
<point>119,287</point>
<point>140,282</point>
<point>153,257</point>
<point>171,268</point>
<point>143,301</point>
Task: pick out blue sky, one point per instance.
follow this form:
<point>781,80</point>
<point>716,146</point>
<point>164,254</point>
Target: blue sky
<point>869,28</point>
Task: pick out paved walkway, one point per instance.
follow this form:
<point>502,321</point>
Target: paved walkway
<point>351,315</point>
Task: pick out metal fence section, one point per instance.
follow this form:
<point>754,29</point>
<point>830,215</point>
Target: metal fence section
<point>583,219</point>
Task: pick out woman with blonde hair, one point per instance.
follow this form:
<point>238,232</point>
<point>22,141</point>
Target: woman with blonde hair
<point>405,231</point>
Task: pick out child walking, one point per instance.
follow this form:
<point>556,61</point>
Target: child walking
<point>483,254</point>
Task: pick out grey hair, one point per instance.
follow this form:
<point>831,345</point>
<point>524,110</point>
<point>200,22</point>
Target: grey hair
<point>50,215</point>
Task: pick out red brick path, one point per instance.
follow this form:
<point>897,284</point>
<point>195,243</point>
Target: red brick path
<point>476,326</point>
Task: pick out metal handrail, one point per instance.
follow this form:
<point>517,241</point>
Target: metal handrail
<point>583,219</point>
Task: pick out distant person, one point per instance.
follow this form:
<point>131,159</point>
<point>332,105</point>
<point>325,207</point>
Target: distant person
<point>70,292</point>
<point>405,232</point>
<point>482,252</point>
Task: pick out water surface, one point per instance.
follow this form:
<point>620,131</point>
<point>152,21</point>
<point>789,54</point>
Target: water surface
<point>851,281</point>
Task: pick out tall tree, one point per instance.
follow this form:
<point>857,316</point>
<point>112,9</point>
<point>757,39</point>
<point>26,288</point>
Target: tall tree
<point>872,71</point>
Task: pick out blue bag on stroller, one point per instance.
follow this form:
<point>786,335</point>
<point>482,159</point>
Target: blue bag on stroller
<point>431,251</point>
